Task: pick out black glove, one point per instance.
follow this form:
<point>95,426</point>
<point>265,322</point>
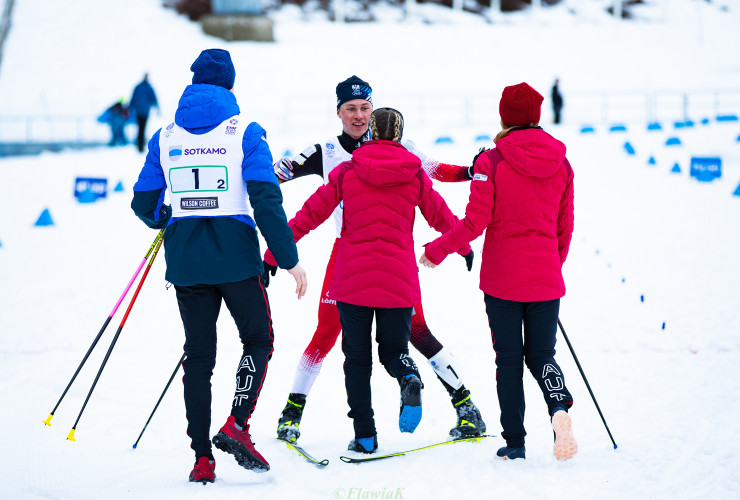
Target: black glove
<point>469,259</point>
<point>165,212</point>
<point>267,270</point>
<point>472,165</point>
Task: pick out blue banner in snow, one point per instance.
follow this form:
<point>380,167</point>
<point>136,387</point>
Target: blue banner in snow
<point>97,187</point>
<point>706,169</point>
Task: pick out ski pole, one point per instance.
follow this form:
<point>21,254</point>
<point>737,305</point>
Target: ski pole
<point>105,325</point>
<point>586,381</point>
<point>71,435</point>
<point>160,398</point>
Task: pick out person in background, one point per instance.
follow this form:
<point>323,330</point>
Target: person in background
<point>142,100</point>
<point>522,197</point>
<point>217,169</point>
<point>116,117</point>
<point>375,275</point>
<point>557,101</point>
<point>354,107</point>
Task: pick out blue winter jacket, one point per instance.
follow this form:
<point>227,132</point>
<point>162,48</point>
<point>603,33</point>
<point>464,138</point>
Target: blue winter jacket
<point>222,249</point>
<point>143,99</point>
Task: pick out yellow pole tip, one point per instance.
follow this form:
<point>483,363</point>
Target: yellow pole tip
<point>48,420</point>
<point>71,435</point>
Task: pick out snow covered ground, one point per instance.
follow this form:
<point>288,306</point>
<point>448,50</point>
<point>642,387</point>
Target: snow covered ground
<point>668,394</point>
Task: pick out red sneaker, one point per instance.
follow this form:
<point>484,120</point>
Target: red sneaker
<point>204,471</point>
<point>239,443</point>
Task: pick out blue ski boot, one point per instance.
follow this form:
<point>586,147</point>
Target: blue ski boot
<point>364,445</point>
<point>410,414</point>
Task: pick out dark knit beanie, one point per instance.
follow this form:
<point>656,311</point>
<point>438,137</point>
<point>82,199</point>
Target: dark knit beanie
<point>353,88</point>
<point>520,105</point>
<point>214,67</point>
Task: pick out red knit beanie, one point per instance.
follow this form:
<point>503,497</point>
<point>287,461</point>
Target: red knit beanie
<point>520,105</point>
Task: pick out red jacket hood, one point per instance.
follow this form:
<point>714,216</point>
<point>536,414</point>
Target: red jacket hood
<point>532,152</point>
<point>385,163</point>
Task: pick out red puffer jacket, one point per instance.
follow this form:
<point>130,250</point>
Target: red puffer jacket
<point>380,189</point>
<point>522,193</point>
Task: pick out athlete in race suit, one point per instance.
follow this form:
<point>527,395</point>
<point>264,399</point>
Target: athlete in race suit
<point>354,107</point>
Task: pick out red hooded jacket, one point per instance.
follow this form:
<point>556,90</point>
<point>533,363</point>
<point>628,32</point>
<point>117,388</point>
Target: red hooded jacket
<point>380,188</point>
<point>522,193</point>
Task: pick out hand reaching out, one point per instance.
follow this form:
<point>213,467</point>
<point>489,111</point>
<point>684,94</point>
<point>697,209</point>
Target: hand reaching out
<point>301,281</point>
<point>469,259</point>
<point>284,169</point>
<point>426,262</point>
<point>267,270</point>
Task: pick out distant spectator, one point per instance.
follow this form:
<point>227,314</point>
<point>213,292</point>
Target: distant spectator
<point>557,101</point>
<point>116,116</point>
<point>142,100</point>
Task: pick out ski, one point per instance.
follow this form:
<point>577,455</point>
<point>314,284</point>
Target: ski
<point>305,454</point>
<point>351,460</point>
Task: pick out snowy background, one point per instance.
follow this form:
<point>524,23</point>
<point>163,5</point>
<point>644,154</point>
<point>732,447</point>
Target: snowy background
<point>669,394</point>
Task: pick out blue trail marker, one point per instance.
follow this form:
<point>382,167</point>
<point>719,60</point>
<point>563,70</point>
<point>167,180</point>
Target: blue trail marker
<point>673,141</point>
<point>44,219</point>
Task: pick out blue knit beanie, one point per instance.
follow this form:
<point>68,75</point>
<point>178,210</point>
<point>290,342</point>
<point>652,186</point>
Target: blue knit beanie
<point>214,67</point>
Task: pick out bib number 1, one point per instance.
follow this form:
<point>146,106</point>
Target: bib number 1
<point>200,179</point>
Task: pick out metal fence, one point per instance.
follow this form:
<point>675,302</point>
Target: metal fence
<point>450,110</point>
<point>53,128</point>
<point>441,111</point>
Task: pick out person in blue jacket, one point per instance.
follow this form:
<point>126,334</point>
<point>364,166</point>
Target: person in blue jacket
<point>116,117</point>
<point>217,169</point>
<point>142,100</point>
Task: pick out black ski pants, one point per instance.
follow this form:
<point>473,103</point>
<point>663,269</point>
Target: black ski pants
<point>199,308</point>
<point>393,328</point>
<point>536,349</point>
<point>141,135</point>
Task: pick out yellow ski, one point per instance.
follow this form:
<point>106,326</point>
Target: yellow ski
<point>305,454</point>
<point>371,458</point>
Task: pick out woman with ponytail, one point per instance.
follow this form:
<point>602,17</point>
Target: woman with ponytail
<point>376,276</point>
<point>522,196</point>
